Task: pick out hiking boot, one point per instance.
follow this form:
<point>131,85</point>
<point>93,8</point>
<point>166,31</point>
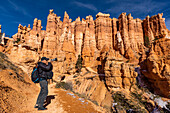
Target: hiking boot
<point>42,108</point>
<point>36,106</point>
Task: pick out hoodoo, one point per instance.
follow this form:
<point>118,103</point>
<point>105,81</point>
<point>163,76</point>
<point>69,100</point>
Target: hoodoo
<point>104,59</point>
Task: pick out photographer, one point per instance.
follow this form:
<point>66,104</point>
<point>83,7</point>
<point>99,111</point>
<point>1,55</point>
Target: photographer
<point>44,72</point>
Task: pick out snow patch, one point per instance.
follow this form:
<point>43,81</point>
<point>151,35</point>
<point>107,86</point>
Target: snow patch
<point>81,99</point>
<point>160,102</point>
<point>114,104</point>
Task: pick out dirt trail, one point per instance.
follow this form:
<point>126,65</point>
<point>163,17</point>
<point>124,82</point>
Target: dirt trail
<point>62,101</point>
<point>52,103</point>
<point>18,96</point>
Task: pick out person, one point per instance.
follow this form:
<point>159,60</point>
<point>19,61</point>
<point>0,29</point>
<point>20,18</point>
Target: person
<point>43,68</point>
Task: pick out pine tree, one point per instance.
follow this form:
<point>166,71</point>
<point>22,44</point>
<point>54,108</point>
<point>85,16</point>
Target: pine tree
<point>147,43</point>
<point>79,64</point>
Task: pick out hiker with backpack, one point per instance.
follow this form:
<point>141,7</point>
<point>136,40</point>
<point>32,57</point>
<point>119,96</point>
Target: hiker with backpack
<point>44,68</point>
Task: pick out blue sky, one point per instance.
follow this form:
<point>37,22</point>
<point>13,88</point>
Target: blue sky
<point>15,12</point>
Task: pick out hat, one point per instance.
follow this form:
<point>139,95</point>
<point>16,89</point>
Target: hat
<point>44,58</point>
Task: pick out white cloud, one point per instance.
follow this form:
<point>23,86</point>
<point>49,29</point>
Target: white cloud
<point>138,7</point>
<point>88,6</point>
<point>19,8</point>
<point>13,5</point>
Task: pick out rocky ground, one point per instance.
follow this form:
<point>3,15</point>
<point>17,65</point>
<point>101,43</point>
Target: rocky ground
<point>62,101</point>
<point>16,87</point>
<point>83,92</point>
<point>19,94</point>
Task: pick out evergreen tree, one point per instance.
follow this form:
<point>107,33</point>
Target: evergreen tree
<point>79,64</point>
<point>147,43</point>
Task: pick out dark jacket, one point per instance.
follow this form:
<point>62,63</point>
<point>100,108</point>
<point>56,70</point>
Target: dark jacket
<point>43,69</point>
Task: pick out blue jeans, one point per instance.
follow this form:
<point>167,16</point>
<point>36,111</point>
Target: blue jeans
<point>43,93</point>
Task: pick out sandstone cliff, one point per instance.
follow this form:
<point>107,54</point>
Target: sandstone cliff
<point>15,86</point>
<point>110,49</point>
<point>106,45</point>
<point>156,67</point>
<point>88,37</point>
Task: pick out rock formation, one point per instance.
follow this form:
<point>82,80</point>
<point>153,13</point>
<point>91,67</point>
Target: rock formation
<point>89,43</point>
<point>131,32</point>
<point>30,37</point>
<point>153,26</point>
<point>110,47</point>
<point>15,86</point>
<point>89,36</point>
<point>156,67</point>
<point>103,25</point>
<point>50,40</point>
<point>118,74</point>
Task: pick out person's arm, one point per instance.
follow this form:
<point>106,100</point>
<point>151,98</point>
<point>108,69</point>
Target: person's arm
<point>45,67</point>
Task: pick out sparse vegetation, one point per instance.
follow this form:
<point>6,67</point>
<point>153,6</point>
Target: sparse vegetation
<point>68,86</point>
<point>156,38</point>
<point>147,43</point>
<point>64,85</point>
<point>128,104</point>
<point>5,64</point>
<point>81,95</point>
<point>95,102</point>
<point>109,109</point>
<point>79,64</point>
<point>18,40</point>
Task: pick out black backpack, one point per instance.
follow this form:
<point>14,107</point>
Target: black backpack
<point>35,76</point>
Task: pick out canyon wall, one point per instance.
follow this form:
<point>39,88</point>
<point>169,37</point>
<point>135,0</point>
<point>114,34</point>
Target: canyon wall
<point>88,36</point>
<point>109,46</point>
<point>156,67</point>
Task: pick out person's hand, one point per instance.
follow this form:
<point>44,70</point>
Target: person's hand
<point>46,63</point>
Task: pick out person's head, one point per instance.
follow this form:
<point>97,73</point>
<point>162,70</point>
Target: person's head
<point>44,60</point>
